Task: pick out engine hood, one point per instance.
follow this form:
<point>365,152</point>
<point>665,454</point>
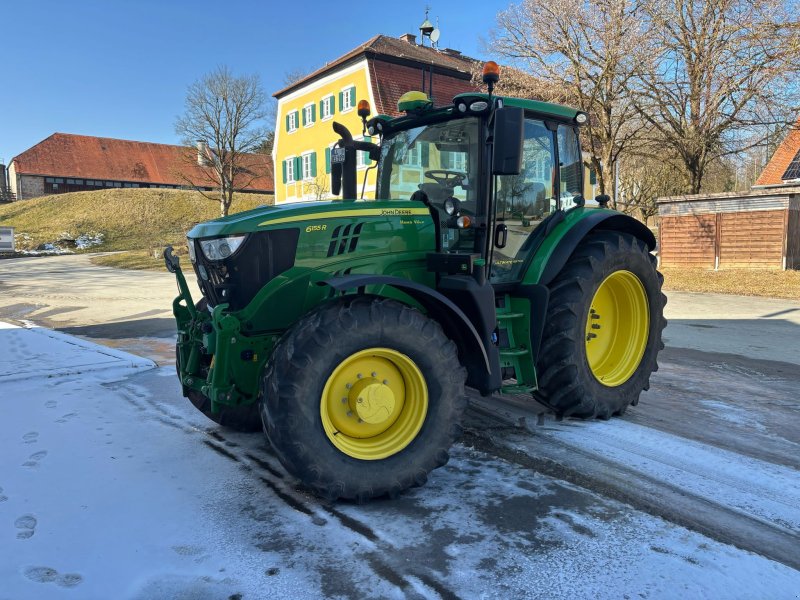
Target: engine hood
<point>303,214</point>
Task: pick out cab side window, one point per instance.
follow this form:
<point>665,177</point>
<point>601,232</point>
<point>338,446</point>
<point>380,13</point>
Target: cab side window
<point>525,200</point>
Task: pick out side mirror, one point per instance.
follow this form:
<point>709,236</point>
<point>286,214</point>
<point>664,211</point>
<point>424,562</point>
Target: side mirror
<point>509,135</point>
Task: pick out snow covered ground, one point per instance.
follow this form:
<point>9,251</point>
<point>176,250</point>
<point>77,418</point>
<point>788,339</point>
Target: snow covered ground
<point>114,487</point>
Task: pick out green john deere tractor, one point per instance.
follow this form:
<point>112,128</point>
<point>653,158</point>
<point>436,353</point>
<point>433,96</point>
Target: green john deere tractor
<point>349,329</point>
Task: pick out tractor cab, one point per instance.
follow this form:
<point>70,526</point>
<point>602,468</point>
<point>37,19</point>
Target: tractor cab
<point>491,170</point>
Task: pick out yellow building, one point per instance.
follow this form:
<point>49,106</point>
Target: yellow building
<point>379,71</point>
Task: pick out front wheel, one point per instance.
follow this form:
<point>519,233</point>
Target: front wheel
<point>363,398</point>
<point>603,330</point>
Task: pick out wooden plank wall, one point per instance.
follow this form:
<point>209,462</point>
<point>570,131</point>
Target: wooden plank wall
<point>793,240</point>
<point>747,239</point>
<point>752,239</point>
<point>688,241</point>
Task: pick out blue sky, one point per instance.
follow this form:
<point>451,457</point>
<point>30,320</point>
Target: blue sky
<point>120,68</point>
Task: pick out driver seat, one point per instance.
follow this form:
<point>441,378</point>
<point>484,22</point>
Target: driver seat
<point>434,191</point>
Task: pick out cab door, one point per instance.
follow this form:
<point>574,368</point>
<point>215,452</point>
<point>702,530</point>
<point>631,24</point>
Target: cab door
<point>523,201</point>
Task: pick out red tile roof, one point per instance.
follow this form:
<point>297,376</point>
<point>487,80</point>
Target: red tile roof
<point>776,167</point>
<point>87,157</point>
<point>392,49</point>
<point>390,81</point>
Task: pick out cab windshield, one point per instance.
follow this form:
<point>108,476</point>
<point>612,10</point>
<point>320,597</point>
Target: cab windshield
<point>441,159</point>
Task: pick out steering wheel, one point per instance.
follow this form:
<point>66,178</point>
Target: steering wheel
<point>445,178</point>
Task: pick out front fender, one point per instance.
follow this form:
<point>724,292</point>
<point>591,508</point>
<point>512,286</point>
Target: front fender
<point>481,361</point>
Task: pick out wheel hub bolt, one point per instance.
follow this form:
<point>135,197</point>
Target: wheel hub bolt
<point>344,400</point>
<point>385,382</point>
<point>374,374</point>
<point>359,375</point>
<point>590,336</point>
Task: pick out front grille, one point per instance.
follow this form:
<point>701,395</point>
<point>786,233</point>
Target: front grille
<point>237,279</point>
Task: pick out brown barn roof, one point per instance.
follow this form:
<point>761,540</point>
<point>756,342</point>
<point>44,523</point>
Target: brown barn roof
<point>400,52</point>
<point>88,157</point>
<point>786,152</point>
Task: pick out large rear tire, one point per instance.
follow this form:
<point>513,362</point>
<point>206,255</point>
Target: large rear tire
<point>603,330</point>
<point>363,398</point>
<point>245,418</point>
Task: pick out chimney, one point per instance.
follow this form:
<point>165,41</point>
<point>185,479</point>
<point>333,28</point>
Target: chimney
<point>202,153</point>
<point>410,38</point>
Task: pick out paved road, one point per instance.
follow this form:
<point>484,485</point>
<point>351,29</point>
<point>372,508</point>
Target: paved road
<point>727,388</point>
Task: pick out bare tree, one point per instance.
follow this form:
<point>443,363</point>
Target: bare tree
<point>645,176</point>
<point>586,51</point>
<point>319,187</point>
<point>224,119</point>
<point>719,74</point>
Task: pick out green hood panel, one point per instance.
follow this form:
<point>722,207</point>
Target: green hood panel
<point>305,214</point>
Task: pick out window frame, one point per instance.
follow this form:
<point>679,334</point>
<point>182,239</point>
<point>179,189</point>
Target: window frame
<point>308,114</point>
<point>330,101</point>
<point>293,117</point>
<point>290,174</point>
<point>305,165</point>
<point>346,94</point>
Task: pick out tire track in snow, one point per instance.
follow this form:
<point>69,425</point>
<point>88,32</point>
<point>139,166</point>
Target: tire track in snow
<point>266,469</point>
<point>664,481</point>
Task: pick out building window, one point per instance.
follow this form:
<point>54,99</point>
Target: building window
<point>362,157</point>
<point>326,107</point>
<point>347,98</point>
<point>414,156</point>
<point>288,166</point>
<point>309,165</point>
<point>291,121</point>
<point>454,161</point>
<point>309,115</point>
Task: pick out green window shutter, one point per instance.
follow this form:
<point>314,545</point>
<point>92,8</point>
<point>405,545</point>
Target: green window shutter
<point>284,170</point>
<point>298,168</point>
<point>313,113</point>
<point>341,100</point>
<point>592,177</point>
<point>425,151</point>
<point>327,160</point>
<point>304,116</point>
<point>352,92</point>
<point>333,105</point>
<point>367,160</point>
<point>321,108</point>
<point>287,122</point>
<point>313,164</point>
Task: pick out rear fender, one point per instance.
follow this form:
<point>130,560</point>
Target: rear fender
<point>596,220</point>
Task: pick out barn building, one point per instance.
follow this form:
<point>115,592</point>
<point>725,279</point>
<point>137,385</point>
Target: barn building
<point>75,163</point>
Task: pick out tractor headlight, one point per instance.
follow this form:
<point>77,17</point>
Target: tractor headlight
<point>190,245</point>
<point>221,248</point>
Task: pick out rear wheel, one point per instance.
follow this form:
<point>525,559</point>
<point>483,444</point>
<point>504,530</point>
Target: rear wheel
<point>245,418</point>
<point>363,398</point>
<point>603,329</point>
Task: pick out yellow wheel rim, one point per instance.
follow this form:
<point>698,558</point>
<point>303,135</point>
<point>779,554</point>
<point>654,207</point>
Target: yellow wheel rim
<point>617,328</point>
<point>374,403</point>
